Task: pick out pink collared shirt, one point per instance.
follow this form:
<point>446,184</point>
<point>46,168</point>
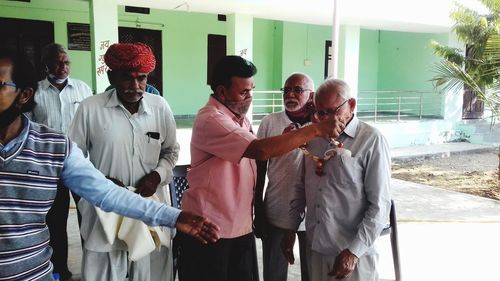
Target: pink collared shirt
<point>221,181</point>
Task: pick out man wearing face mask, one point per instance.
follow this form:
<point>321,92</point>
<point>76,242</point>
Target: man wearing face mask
<point>223,170</point>
<point>130,137</point>
<point>271,214</point>
<point>57,98</point>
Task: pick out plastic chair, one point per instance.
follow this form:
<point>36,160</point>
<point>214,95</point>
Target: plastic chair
<point>178,185</point>
<point>392,229</point>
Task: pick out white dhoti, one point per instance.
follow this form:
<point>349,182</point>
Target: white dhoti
<point>106,255</point>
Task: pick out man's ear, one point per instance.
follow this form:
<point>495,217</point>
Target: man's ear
<point>311,96</point>
<point>352,104</point>
<point>25,95</point>
<point>111,77</point>
<point>220,93</point>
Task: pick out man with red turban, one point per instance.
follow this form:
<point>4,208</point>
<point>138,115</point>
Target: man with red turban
<point>131,138</point>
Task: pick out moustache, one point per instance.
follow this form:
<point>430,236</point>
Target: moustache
<point>291,100</point>
<point>135,92</point>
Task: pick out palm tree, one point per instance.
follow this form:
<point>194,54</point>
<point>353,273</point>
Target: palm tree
<point>478,69</point>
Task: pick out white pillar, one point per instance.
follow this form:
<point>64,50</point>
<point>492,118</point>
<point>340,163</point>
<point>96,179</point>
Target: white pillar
<point>350,42</point>
<point>240,40</point>
<point>104,32</point>
<point>335,41</point>
<point>240,36</point>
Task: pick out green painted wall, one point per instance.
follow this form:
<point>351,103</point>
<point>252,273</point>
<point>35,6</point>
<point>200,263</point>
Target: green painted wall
<point>67,11</point>
<point>388,60</point>
<point>184,38</point>
<point>184,45</point>
<point>368,60</point>
<point>398,61</point>
<point>406,59</point>
<point>267,54</point>
<point>301,42</point>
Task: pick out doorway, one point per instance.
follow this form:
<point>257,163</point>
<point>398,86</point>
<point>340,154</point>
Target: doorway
<point>29,36</point>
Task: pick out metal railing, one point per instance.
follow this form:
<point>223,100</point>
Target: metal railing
<point>377,106</point>
<point>396,106</point>
<point>265,102</point>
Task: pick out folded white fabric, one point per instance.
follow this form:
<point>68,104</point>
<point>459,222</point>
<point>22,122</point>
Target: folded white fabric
<point>140,238</point>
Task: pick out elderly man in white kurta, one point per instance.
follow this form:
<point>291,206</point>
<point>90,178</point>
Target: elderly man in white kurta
<point>346,191</point>
<point>131,138</point>
<point>57,100</point>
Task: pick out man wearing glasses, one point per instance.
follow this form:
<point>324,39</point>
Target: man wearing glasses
<point>57,99</point>
<point>347,195</point>
<point>33,160</point>
<point>271,214</point>
<point>223,170</point>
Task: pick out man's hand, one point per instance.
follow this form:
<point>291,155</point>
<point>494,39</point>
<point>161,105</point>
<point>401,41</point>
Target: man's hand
<point>344,265</point>
<point>331,127</point>
<point>287,243</point>
<point>117,182</point>
<point>198,227</point>
<point>260,223</point>
<point>147,185</point>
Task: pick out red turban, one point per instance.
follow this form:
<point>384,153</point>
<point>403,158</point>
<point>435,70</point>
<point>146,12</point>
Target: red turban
<point>135,57</point>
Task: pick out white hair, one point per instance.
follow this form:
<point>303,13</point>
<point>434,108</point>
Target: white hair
<point>306,77</point>
<point>334,85</point>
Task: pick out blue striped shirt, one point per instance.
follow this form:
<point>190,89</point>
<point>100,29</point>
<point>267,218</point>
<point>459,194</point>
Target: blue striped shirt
<point>80,176</point>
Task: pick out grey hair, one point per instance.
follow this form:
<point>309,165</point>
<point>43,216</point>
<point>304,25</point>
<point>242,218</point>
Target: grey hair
<point>308,78</point>
<point>337,85</point>
<point>50,51</point>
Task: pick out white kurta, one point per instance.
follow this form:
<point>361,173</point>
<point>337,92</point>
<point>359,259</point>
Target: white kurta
<point>120,145</point>
<point>56,108</point>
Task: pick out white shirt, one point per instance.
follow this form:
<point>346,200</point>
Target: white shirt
<point>281,173</point>
<point>56,108</point>
<point>349,205</point>
<point>118,145</point>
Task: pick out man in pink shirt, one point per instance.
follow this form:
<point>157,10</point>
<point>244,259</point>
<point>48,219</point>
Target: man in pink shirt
<point>222,175</point>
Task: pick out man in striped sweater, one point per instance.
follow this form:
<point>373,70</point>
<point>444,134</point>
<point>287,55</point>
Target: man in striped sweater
<point>33,159</point>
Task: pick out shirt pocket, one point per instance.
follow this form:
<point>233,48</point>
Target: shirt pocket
<point>346,170</point>
<point>72,108</point>
<point>151,150</point>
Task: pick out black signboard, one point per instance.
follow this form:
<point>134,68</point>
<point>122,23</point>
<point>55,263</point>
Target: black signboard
<point>79,36</point>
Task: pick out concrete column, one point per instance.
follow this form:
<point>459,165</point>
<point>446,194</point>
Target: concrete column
<point>240,35</point>
<point>349,59</point>
<point>240,40</point>
<point>334,66</point>
<point>104,33</point>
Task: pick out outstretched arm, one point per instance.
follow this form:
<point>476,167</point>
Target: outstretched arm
<point>85,180</point>
<point>263,149</point>
<point>198,227</point>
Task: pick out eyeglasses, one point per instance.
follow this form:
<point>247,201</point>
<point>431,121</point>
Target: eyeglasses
<point>296,89</point>
<point>325,113</point>
<point>12,84</point>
